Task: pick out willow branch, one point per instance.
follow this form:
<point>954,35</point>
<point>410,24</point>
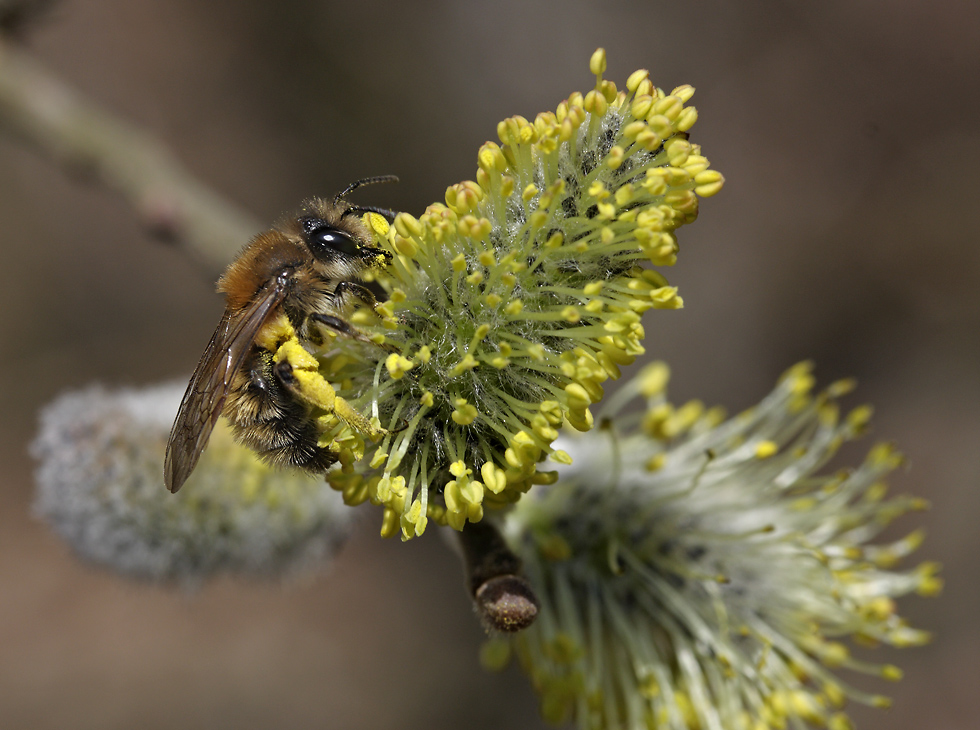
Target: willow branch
<point>81,137</point>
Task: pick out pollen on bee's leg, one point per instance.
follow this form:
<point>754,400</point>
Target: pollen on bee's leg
<point>356,420</point>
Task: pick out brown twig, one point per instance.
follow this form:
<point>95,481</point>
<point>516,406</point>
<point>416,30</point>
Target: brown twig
<point>501,594</point>
<point>59,122</point>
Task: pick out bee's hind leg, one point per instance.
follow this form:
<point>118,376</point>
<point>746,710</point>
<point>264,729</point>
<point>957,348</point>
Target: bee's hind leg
<point>299,371</point>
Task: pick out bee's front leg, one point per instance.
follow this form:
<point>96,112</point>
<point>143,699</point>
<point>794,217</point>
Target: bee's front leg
<point>341,327</point>
<point>299,371</point>
<point>345,290</point>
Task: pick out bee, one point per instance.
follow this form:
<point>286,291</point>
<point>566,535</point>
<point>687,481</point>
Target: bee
<point>299,277</point>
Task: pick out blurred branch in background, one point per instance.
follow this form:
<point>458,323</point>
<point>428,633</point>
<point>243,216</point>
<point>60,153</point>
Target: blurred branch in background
<point>74,132</point>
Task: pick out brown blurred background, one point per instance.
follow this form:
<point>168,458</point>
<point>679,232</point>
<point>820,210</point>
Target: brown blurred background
<point>849,133</point>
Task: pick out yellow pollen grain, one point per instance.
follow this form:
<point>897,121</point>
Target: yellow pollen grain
<point>487,258</point>
<point>459,263</point>
<point>529,192</point>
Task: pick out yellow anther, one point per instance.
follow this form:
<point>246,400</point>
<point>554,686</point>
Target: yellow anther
<point>561,456</point>
<point>555,240</point>
<point>636,78</point>
<point>598,190</point>
<point>652,380</point>
<point>708,183</point>
<point>482,331</point>
<point>493,477</point>
<point>389,523</point>
<point>490,158</point>
<point>465,365</point>
<point>597,64</point>
<point>615,157</point>
<point>765,449</point>
<point>398,365</point>
<point>514,307</point>
<point>684,93</point>
<point>464,413</point>
<point>578,397</point>
<point>571,314</point>
<point>686,119</point>
<point>408,226</point>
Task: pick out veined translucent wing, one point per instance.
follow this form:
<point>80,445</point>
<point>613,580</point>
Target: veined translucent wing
<point>206,393</point>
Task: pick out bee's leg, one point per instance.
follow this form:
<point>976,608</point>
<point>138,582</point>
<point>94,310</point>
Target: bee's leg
<point>299,371</point>
<point>345,290</point>
<point>339,326</point>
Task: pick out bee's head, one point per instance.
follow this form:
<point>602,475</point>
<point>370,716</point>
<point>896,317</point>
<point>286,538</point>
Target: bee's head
<point>341,246</point>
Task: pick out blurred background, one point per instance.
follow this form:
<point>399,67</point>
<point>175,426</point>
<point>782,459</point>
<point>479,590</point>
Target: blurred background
<point>849,134</point>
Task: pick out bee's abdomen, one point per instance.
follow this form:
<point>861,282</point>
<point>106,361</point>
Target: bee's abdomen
<point>267,419</point>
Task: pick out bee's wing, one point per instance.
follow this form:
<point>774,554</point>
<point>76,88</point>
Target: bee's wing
<point>211,381</point>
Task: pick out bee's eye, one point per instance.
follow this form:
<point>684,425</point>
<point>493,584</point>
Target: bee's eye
<point>325,241</point>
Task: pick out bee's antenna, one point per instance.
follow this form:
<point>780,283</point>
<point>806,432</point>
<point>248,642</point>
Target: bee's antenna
<point>388,213</point>
<point>360,183</point>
